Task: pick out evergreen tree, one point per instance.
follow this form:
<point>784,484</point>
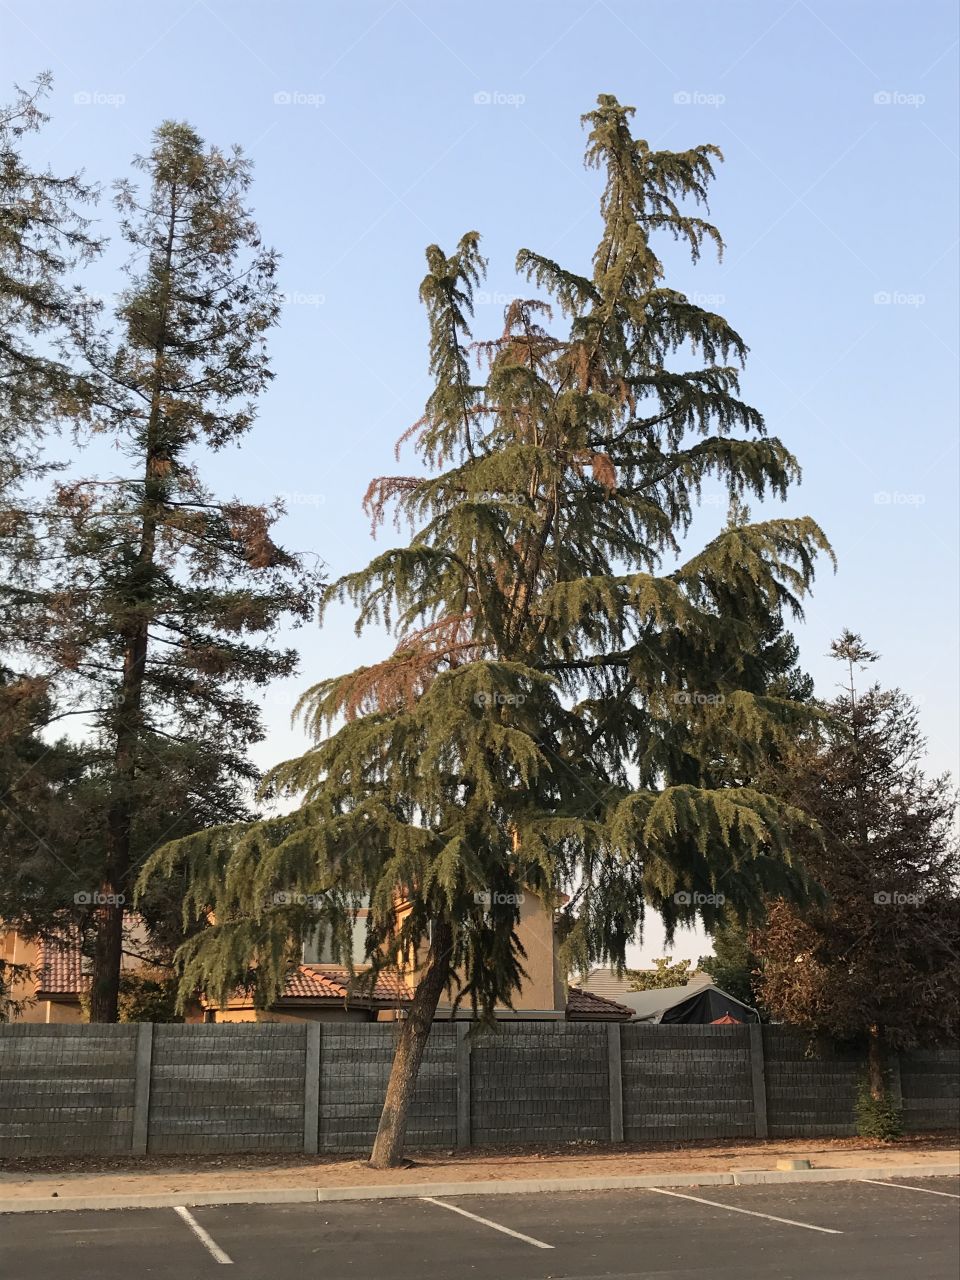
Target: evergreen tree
<point>878,959</point>
<point>157,595</point>
<point>562,705</point>
<point>42,237</point>
<point>732,964</point>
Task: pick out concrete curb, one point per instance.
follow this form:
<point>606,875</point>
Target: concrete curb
<point>513,1186</point>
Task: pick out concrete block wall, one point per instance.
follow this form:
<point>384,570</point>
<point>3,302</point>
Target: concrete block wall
<point>66,1089</point>
<point>319,1086</point>
<point>539,1082</point>
<point>683,1082</point>
<point>930,1085</point>
<point>227,1087</point>
<point>355,1065</point>
<point>811,1085</point>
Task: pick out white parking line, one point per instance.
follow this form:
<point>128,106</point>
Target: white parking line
<point>899,1186</point>
<point>789,1222</point>
<point>205,1239</point>
<point>518,1235</point>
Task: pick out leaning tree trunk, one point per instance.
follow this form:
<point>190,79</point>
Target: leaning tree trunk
<point>388,1145</point>
<point>875,1064</point>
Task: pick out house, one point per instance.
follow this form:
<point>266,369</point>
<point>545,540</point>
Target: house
<point>701,1003</point>
<point>58,978</point>
<point>320,989</point>
<point>610,985</point>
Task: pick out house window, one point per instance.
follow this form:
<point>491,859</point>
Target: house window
<point>318,949</point>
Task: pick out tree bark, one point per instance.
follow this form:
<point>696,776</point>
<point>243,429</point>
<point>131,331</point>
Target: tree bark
<point>875,1064</point>
<point>107,956</point>
<point>388,1146</point>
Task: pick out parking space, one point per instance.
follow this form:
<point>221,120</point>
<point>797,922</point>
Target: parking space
<point>835,1231</point>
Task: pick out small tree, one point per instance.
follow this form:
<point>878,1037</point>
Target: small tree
<point>879,958</point>
<point>158,596</point>
<point>732,964</point>
<point>663,974</point>
<point>560,713</point>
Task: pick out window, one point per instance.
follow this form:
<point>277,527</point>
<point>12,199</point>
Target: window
<point>317,949</point>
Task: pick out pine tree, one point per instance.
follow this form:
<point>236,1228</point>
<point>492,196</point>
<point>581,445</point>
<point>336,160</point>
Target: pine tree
<point>877,959</point>
<point>732,964</point>
<point>43,236</point>
<point>157,595</point>
<point>561,708</point>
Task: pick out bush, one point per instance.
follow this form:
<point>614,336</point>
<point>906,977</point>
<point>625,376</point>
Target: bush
<point>877,1117</point>
<point>148,997</point>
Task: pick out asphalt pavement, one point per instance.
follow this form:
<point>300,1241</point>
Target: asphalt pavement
<point>828,1231</point>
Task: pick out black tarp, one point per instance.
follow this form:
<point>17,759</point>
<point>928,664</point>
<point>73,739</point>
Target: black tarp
<point>707,1006</point>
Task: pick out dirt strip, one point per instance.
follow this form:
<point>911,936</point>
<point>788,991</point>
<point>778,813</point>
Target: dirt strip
<point>24,1177</point>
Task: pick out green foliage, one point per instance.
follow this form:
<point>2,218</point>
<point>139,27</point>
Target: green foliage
<point>148,998</point>
<point>663,974</point>
<point>152,604</point>
<point>875,952</point>
<point>877,1117</point>
<point>732,964</point>
<point>576,705</point>
<point>42,237</point>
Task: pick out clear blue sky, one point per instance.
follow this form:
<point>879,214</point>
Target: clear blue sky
<point>838,123</point>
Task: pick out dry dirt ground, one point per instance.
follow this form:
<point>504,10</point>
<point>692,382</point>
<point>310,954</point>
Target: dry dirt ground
<point>25,1176</point>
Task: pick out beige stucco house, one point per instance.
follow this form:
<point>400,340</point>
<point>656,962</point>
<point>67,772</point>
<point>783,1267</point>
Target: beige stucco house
<point>320,989</point>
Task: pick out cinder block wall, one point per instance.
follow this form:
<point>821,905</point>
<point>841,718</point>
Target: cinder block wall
<point>539,1082</point>
<point>930,1083</point>
<point>247,1087</point>
<point>686,1082</point>
<point>354,1069</point>
<point>227,1088</point>
<point>66,1089</point>
<point>811,1085</point>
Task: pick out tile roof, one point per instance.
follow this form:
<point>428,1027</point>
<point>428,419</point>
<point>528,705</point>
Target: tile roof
<point>584,1006</point>
<point>333,982</point>
<point>60,969</point>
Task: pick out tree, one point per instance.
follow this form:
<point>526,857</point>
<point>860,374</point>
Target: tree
<point>158,596</point>
<point>42,237</point>
<point>732,964</point>
<point>560,709</point>
<point>663,974</point>
<point>878,959</point>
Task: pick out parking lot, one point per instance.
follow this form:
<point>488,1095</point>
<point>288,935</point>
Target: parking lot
<point>830,1231</point>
